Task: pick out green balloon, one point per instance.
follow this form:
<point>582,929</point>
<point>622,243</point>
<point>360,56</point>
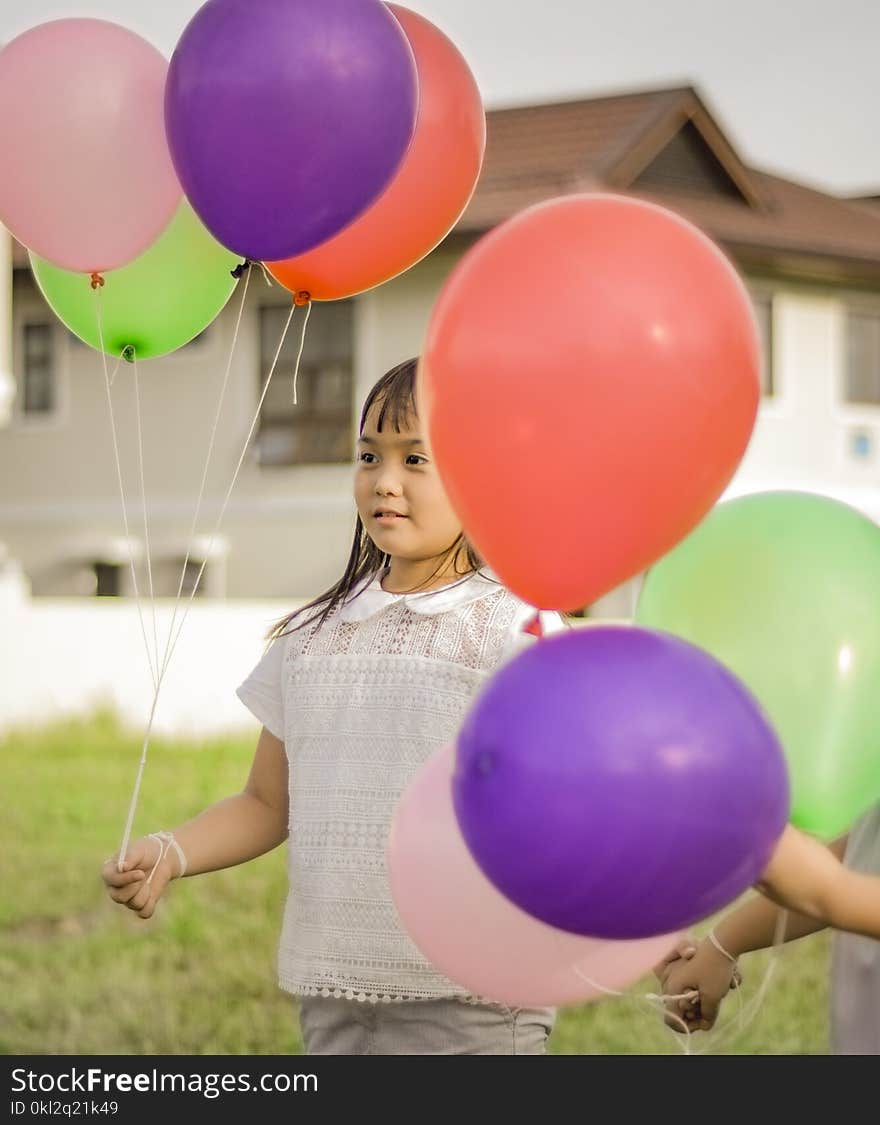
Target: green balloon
<point>784,589</point>
<point>155,304</point>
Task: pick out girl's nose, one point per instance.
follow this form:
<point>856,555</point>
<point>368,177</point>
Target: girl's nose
<point>388,484</point>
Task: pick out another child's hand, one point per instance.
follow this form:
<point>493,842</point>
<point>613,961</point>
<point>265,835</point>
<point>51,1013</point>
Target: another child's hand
<point>685,948</point>
<point>709,975</point>
<point>132,886</point>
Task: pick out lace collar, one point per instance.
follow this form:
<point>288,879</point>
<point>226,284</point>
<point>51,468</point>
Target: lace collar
<point>370,598</point>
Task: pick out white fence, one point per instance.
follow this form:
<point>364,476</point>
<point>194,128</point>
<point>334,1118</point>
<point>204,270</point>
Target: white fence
<point>65,657</point>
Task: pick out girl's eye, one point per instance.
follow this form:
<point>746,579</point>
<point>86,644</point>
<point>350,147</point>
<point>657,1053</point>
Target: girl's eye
<point>416,458</point>
<point>364,456</point>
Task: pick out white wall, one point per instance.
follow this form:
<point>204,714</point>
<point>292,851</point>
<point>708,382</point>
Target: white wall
<point>65,657</point>
<point>804,435</point>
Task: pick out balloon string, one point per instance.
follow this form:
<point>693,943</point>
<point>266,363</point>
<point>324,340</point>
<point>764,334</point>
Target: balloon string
<point>211,442</point>
<point>115,370</point>
<point>247,440</point>
<point>100,320</point>
<point>244,267</point>
<point>301,346</point>
<point>126,836</point>
<point>170,650</point>
<point>140,437</point>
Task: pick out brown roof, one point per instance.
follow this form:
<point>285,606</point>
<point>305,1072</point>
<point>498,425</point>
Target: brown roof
<point>621,143</point>
<point>536,152</point>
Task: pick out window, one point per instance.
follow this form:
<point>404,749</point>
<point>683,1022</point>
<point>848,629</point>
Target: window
<point>108,579</point>
<point>862,385</point>
<point>319,428</point>
<point>166,572</point>
<point>763,308</point>
<point>192,573</point>
<point>39,397</point>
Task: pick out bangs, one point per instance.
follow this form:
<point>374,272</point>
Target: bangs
<point>395,396</point>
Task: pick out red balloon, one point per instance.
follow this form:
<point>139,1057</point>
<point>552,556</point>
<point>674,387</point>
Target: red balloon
<point>590,381</point>
<point>427,195</point>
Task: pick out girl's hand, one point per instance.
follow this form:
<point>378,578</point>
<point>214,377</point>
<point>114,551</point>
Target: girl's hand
<point>709,975</point>
<point>133,886</point>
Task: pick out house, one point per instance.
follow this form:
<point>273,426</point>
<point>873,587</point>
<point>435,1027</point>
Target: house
<point>811,261</point>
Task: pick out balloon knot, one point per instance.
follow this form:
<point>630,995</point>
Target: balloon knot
<point>302,297</point>
<point>534,627</point>
<point>238,272</point>
<point>128,353</point>
<point>96,280</point>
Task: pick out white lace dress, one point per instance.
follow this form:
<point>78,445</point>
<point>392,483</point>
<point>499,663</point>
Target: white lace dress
<point>360,703</point>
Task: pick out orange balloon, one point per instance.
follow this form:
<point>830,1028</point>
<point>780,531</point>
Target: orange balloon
<point>590,382</point>
<point>428,194</point>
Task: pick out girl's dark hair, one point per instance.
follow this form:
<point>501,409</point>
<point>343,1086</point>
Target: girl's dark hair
<point>395,395</point>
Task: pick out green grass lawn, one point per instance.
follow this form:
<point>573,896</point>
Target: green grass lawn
<point>80,975</point>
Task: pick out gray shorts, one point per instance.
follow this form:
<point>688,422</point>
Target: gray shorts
<point>422,1027</point>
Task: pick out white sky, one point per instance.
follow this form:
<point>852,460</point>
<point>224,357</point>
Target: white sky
<point>795,84</point>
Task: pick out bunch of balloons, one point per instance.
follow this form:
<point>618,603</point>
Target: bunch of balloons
<point>337,140</point>
<point>590,384</point>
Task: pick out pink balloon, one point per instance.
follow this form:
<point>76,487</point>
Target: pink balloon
<point>88,181</point>
<point>476,936</point>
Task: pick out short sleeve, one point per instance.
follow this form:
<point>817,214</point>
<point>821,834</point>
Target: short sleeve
<point>517,640</point>
<point>263,690</point>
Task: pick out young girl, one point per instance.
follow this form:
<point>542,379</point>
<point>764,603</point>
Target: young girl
<point>807,878</point>
<point>354,693</point>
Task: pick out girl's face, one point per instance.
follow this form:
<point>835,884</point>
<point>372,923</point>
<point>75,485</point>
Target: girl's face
<point>402,504</point>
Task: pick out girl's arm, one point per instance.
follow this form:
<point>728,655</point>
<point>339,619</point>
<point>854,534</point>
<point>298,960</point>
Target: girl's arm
<point>227,833</point>
<point>805,876</point>
<point>247,825</point>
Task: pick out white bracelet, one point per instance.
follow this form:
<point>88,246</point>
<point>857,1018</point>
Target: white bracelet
<point>166,840</point>
<point>714,940</point>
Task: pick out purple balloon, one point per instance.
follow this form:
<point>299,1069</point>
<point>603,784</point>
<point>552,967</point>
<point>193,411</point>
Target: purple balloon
<point>287,118</point>
<point>619,783</point>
